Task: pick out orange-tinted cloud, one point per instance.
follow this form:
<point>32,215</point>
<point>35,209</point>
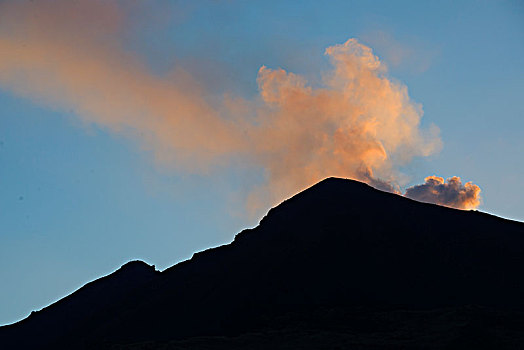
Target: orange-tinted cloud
<point>451,193</point>
<point>67,55</point>
<point>358,124</point>
<point>359,119</point>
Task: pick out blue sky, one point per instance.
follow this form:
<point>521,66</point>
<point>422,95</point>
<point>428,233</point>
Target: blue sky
<point>78,200</point>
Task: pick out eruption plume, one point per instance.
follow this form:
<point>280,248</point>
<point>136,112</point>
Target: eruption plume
<point>451,193</point>
<point>358,124</point>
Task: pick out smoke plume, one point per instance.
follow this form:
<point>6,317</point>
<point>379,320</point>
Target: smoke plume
<point>451,193</point>
<point>68,55</point>
<point>358,123</point>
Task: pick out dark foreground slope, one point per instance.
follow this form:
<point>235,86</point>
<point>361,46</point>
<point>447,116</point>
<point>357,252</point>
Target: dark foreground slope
<point>340,265</point>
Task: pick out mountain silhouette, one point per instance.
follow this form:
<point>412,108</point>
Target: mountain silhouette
<point>339,265</point>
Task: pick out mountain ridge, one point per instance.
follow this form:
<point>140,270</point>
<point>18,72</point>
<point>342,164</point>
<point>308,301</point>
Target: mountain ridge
<point>339,245</point>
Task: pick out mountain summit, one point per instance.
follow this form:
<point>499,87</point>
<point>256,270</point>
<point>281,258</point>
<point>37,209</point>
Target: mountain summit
<point>339,265</point>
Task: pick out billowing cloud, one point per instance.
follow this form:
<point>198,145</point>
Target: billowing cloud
<point>451,193</point>
<point>358,123</point>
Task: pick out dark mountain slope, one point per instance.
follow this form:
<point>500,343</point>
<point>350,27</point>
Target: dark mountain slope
<point>78,311</point>
<point>339,264</point>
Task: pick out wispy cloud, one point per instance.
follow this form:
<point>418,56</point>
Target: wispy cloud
<point>358,123</point>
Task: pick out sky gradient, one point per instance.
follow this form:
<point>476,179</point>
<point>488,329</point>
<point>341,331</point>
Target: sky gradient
<point>79,196</point>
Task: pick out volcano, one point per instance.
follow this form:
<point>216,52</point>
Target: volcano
<point>339,265</point>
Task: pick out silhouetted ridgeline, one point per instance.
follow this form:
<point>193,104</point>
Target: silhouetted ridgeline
<point>340,265</point>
